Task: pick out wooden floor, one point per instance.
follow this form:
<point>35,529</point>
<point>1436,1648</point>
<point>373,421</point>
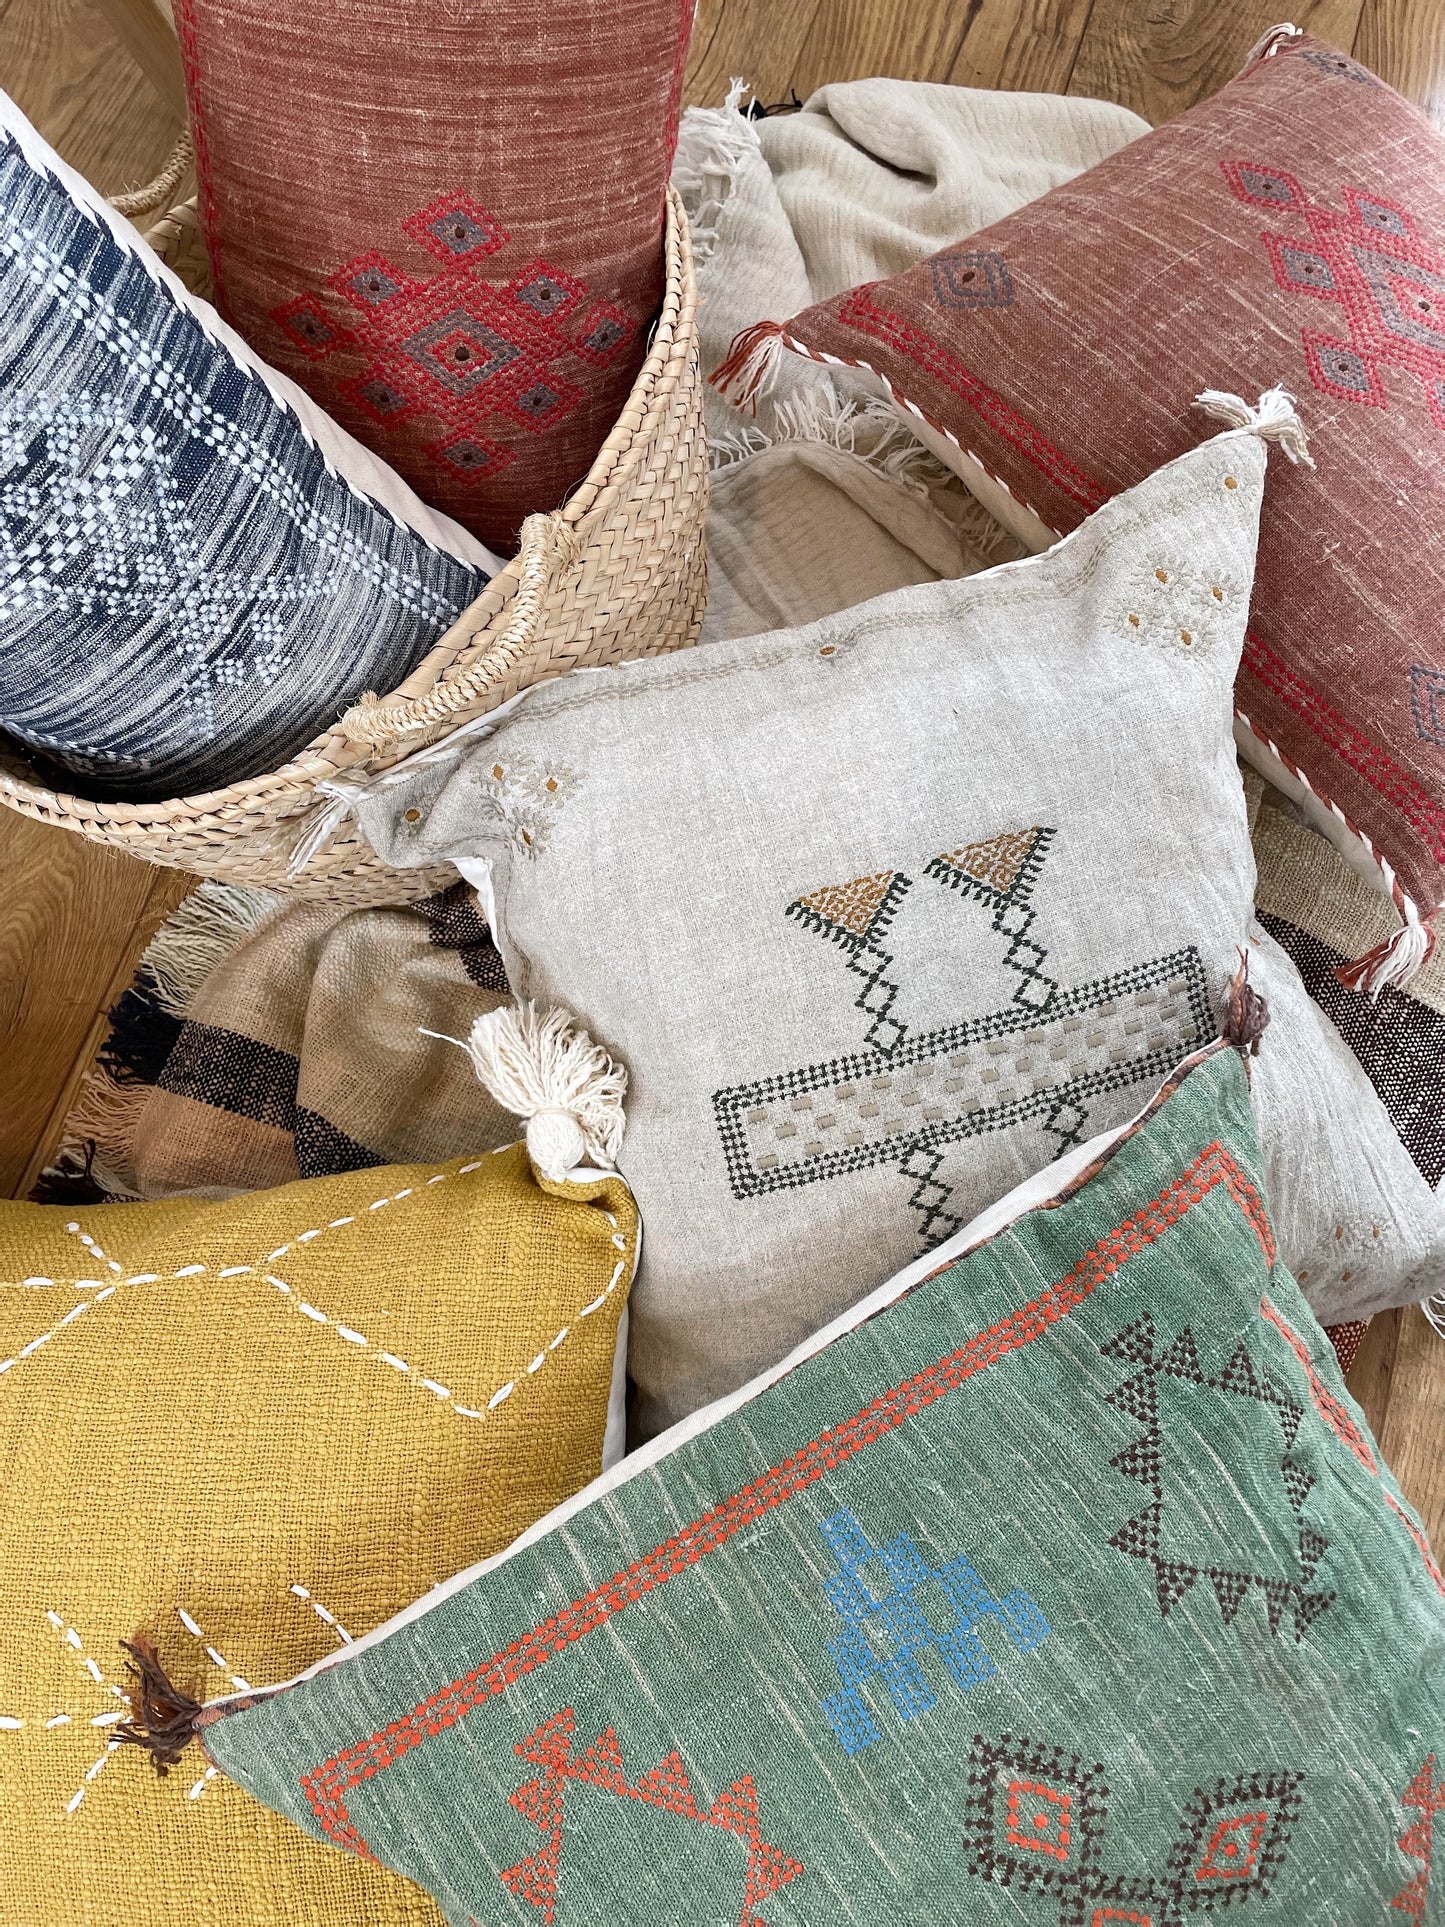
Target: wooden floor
<point>100,79</point>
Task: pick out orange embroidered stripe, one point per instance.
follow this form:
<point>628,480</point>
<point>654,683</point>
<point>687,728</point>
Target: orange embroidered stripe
<point>1422,1544</point>
<point>326,1786</point>
<point>1326,1404</point>
<point>1344,1427</point>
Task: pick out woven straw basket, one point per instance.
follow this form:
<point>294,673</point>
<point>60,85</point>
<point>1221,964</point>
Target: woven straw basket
<point>619,572</point>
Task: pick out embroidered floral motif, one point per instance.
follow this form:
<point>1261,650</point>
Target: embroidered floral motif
<point>899,1615</point>
<point>1175,1530</point>
<point>455,347</point>
<point>1373,264</point>
<point>1178,605</point>
<point>1418,1838</point>
<point>667,1787</point>
<point>1037,1818</point>
<point>526,796</point>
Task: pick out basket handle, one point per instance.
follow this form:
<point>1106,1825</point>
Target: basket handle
<point>160,192</point>
<point>549,545</point>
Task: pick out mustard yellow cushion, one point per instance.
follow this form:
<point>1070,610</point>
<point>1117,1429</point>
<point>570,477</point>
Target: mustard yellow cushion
<point>253,1429</point>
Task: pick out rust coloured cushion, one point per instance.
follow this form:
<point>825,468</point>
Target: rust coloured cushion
<point>448,230</point>
<point>1290,229</point>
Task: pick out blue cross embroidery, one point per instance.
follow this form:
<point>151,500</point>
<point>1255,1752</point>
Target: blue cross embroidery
<point>897,1614</point>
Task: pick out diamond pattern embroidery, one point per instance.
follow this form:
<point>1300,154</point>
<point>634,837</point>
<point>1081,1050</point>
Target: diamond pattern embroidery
<point>453,347</point>
<point>1371,262</point>
<point>1036,1824</point>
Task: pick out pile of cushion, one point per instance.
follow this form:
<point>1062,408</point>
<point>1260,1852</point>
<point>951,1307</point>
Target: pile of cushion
<point>937,1170</point>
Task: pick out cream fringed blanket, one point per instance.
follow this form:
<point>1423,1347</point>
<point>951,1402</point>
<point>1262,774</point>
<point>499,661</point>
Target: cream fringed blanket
<point>823,499</point>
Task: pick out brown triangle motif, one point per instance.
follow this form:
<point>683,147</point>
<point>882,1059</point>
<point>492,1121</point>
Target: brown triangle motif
<point>850,906</point>
<point>999,861</point>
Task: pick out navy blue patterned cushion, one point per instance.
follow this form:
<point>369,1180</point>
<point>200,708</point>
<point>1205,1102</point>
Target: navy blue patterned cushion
<point>198,570</point>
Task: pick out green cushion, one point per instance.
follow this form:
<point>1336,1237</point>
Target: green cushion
<point>1066,1588</point>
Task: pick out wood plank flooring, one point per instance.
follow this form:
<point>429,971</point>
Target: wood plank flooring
<point>72,918</point>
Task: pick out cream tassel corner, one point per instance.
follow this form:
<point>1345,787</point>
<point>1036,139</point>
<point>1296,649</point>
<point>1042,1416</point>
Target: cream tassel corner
<point>543,1069</point>
<point>1273,420</point>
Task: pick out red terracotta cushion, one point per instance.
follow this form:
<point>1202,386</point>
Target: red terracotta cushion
<point>446,226</point>
<point>1290,229</point>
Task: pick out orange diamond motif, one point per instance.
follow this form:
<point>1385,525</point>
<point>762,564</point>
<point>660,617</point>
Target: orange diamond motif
<point>1233,1847</point>
<point>1038,1818</point>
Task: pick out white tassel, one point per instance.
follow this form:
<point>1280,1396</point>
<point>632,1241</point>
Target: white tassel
<point>1394,961</point>
<point>1434,1310</point>
<point>1274,420</point>
<point>1270,41</point>
<point>545,1070</point>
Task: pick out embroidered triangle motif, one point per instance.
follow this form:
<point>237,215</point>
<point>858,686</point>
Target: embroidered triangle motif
<point>667,1786</point>
<point>1141,1461</point>
<point>1229,1590</point>
<point>737,1810</point>
<point>1134,1344</point>
<point>601,1764</point>
<point>1172,1581</point>
<point>540,1801</point>
<point>1000,863</point>
<point>1139,1536</point>
<point>1240,1376</point>
<point>550,1744</point>
<point>851,907</point>
<point>1182,1359</point>
<point>535,1878</point>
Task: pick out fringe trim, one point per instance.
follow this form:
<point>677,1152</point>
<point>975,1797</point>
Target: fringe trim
<point>1434,1310</point>
<point>1246,1014</point>
<point>712,145</point>
<point>543,1068</point>
<point>1396,960</point>
<point>97,1141</point>
<point>821,415</point>
<point>212,922</point>
<point>1273,419</point>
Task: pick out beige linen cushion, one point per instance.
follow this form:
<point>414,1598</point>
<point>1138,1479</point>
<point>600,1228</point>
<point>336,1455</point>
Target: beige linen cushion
<point>882,912</point>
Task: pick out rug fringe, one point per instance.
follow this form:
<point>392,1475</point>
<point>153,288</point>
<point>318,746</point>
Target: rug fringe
<point>870,430</point>
<point>712,145</point>
<point>197,936</point>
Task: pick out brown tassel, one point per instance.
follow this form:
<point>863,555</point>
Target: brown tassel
<point>750,362</point>
<point>1246,1014</point>
<point>163,1718</point>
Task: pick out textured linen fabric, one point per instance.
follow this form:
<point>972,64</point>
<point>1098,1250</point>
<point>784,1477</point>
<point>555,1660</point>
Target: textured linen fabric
<point>882,911</point>
<point>448,230</point>
<point>255,1430</point>
<point>1292,229</point>
<point>1067,1586</point>
<point>198,571</point>
<point>806,527</point>
<point>870,177</point>
<point>1321,912</point>
<point>299,1053</point>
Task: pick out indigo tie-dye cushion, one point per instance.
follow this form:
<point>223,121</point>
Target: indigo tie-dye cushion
<point>198,570</point>
<point>1059,1585</point>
